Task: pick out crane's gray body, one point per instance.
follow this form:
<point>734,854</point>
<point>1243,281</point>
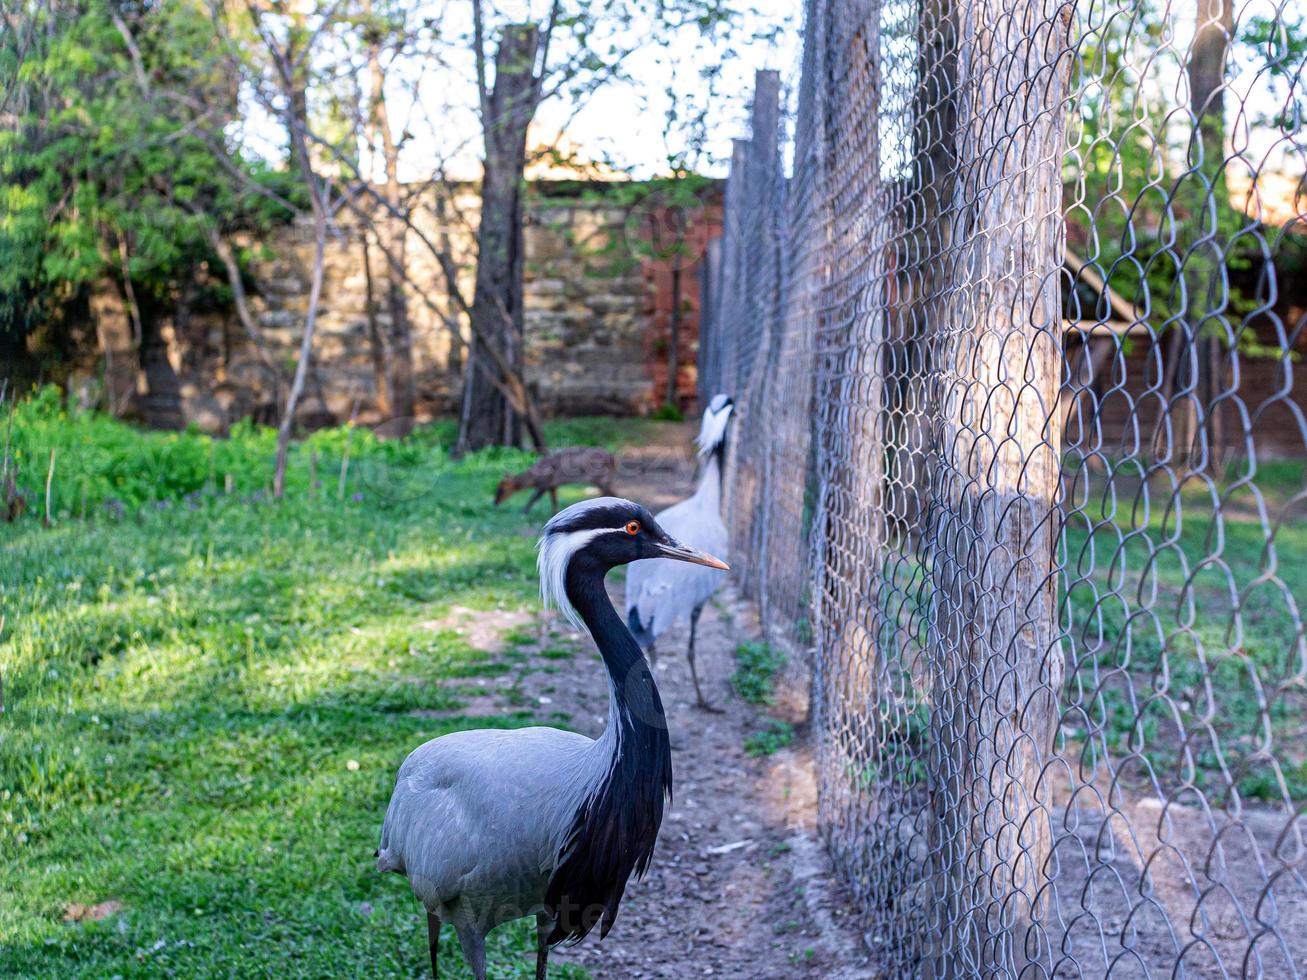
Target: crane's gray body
<point>661,591</point>
<point>478,819</point>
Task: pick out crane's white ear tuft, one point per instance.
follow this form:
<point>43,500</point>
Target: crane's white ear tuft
<point>556,549</point>
<point>713,429</point>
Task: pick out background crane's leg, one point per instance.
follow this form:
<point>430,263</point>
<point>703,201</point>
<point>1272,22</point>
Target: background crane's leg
<point>694,674</point>
<point>540,492</point>
<point>544,926</point>
<point>553,498</point>
<point>433,943</point>
<point>474,950</point>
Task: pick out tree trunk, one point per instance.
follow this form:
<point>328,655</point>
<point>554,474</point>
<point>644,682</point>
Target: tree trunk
<point>1212,219</point>
<point>850,432</point>
<point>161,405</point>
<point>674,331</point>
<point>376,343</point>
<point>16,362</point>
<point>291,70</point>
<point>118,344</point>
<point>393,234</point>
<point>497,301</point>
<point>457,354</point>
<point>306,351</point>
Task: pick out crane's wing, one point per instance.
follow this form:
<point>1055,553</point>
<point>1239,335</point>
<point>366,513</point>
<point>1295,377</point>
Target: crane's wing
<point>481,811</point>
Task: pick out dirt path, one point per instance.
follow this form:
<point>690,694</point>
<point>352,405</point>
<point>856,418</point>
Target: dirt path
<point>740,886</point>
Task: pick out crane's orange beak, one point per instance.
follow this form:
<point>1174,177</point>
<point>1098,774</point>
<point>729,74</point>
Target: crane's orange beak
<point>680,552</point>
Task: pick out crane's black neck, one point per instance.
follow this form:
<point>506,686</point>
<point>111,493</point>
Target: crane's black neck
<point>634,690</point>
<point>615,829</point>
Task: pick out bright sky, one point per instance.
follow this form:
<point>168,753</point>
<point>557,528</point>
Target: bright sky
<point>624,120</point>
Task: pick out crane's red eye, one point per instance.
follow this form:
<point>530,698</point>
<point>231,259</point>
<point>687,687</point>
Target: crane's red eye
<point>633,527</point>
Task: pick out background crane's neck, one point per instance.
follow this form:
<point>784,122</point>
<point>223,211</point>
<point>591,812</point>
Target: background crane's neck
<point>615,827</point>
<point>709,490</point>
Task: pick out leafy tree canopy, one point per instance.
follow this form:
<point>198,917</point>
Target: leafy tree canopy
<point>114,159</point>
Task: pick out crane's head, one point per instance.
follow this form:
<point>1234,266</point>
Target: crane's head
<point>603,533</point>
<point>713,428</point>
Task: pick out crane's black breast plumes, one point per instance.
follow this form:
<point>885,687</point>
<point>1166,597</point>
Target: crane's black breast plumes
<point>614,832</point>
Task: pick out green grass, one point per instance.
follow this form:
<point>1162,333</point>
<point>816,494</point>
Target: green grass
<point>1185,642</point>
<point>770,739</point>
<point>106,468</point>
<point>1191,644</point>
<point>756,664</point>
<point>205,706</point>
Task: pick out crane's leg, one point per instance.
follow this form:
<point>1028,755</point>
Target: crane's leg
<point>694,674</point>
<point>474,950</point>
<point>553,498</point>
<point>544,926</point>
<point>433,943</point>
<point>532,502</point>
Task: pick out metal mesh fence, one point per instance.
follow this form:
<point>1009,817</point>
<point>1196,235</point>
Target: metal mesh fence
<point>1020,459</point>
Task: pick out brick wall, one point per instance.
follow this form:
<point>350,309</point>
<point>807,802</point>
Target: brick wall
<point>596,321</point>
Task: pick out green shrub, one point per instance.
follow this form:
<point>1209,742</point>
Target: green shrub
<point>755,671</point>
<point>668,413</point>
<point>104,466</point>
<point>771,739</point>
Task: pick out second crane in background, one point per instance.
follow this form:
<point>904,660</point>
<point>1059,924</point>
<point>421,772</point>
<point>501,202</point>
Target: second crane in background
<point>658,592</point>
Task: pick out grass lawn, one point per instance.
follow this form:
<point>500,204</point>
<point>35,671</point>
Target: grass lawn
<point>1188,634</point>
<point>205,706</point>
<point>1187,658</point>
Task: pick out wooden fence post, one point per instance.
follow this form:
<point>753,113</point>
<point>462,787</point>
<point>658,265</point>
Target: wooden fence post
<point>995,631</point>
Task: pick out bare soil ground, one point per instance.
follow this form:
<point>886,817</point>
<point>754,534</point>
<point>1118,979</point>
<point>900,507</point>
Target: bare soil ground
<point>740,885</point>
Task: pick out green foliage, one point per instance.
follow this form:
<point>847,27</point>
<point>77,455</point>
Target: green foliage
<point>1209,659</point>
<point>117,166</point>
<point>610,433</point>
<point>1148,204</point>
<point>756,666</point>
<point>668,412</point>
<point>106,468</point>
<point>1279,43</point>
<point>769,739</point>
<point>205,710</point>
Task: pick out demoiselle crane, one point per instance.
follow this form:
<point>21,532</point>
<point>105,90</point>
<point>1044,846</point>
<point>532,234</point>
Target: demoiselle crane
<point>657,593</point>
<point>494,825</point>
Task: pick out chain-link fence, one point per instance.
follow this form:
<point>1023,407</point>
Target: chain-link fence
<point>1020,458</point>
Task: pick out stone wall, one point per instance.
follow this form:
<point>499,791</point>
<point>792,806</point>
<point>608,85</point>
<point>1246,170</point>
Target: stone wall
<point>595,326</point>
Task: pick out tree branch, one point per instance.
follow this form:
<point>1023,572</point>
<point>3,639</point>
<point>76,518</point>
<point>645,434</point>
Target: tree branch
<point>479,51</point>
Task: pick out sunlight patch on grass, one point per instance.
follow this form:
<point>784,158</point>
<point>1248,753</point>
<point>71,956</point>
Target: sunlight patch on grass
<point>205,710</point>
